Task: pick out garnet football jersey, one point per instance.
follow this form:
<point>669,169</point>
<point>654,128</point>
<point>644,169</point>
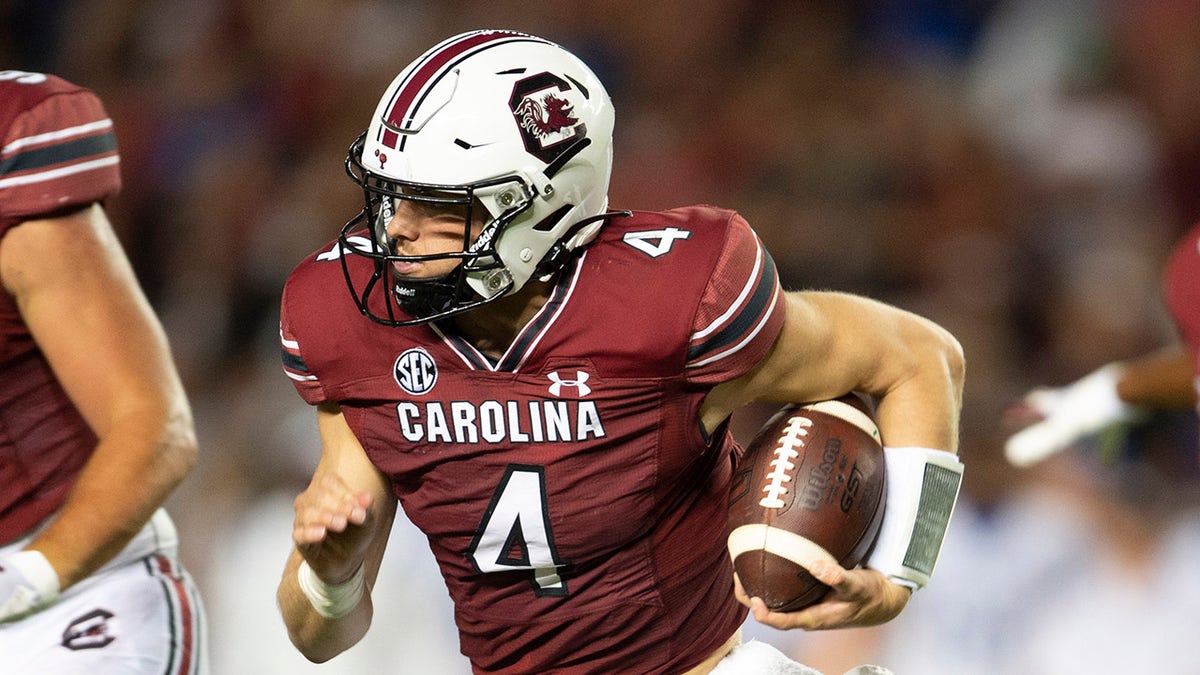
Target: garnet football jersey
<point>57,152</point>
<point>571,498</point>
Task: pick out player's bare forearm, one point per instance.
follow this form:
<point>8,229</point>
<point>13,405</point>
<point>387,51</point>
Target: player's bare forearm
<point>913,366</point>
<point>1162,379</point>
<point>336,532</point>
<point>316,637</point>
<point>89,317</point>
<point>340,532</point>
<point>130,475</point>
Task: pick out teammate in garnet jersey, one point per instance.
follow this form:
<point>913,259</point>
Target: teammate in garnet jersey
<point>544,387</point>
<point>95,428</point>
<point>1055,418</point>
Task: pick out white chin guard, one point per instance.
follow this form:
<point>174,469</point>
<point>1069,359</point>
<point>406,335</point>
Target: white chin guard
<point>922,487</point>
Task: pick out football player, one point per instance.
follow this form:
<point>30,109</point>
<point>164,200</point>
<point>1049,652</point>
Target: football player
<point>1056,418</point>
<point>544,386</point>
<point>95,427</point>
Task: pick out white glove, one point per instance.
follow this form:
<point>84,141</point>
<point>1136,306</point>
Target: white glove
<point>1069,414</point>
<point>28,583</point>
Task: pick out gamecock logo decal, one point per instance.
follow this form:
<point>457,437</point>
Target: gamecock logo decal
<point>550,115</point>
<point>545,117</point>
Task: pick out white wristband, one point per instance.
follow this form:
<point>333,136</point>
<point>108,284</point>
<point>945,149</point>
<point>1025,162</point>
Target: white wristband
<point>29,584</point>
<point>331,601</point>
<point>922,487</point>
<point>1069,414</point>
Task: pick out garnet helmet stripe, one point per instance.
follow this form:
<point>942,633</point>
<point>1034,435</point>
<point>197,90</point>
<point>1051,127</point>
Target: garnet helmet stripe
<point>402,109</point>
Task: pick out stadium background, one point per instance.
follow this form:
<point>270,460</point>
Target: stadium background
<point>1014,169</point>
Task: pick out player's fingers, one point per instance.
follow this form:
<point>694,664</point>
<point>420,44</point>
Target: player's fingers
<point>306,533</point>
<point>833,575</point>
<point>360,507</point>
<point>327,506</point>
<point>804,619</point>
<point>339,512</point>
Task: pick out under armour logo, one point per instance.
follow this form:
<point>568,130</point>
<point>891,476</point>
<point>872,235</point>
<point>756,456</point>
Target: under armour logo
<point>579,382</point>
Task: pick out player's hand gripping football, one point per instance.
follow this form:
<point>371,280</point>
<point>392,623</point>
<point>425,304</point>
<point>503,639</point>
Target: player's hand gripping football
<point>332,527</point>
<point>859,597</point>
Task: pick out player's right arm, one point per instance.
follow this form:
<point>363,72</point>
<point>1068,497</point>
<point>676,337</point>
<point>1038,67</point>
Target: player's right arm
<point>342,522</point>
<point>1052,419</point>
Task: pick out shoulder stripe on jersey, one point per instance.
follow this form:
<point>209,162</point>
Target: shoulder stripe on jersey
<point>763,282</point>
<point>295,367</point>
<point>59,173</point>
<point>763,320</point>
<point>59,134</point>
<point>293,364</point>
<point>737,303</point>
<point>59,153</point>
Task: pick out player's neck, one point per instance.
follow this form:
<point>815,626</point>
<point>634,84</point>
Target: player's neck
<point>493,327</point>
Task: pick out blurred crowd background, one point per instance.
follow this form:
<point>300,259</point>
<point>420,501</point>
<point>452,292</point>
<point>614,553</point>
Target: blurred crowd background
<point>1014,169</point>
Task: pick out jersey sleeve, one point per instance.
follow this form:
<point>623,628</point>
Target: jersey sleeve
<point>741,312</point>
<point>57,149</point>
<point>306,382</point>
<point>1181,288</point>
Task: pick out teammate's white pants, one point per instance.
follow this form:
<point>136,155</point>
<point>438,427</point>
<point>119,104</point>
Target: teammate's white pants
<point>759,658</point>
<point>139,616</point>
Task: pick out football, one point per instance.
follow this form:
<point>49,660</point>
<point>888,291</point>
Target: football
<point>811,485</point>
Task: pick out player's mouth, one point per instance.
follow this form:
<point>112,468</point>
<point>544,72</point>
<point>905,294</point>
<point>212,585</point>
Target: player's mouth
<point>406,269</point>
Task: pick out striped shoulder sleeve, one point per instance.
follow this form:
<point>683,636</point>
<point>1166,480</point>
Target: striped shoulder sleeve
<point>741,312</point>
<point>305,381</point>
<point>58,148</point>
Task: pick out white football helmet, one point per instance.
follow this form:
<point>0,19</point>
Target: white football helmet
<point>499,119</point>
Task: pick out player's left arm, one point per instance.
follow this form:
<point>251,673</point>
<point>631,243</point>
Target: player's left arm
<point>81,301</point>
<point>832,343</point>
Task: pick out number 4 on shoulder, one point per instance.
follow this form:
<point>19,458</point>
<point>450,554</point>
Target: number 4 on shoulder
<point>655,243</point>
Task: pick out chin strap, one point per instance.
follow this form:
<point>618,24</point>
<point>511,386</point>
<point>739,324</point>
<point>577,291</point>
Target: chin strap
<point>558,254</point>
